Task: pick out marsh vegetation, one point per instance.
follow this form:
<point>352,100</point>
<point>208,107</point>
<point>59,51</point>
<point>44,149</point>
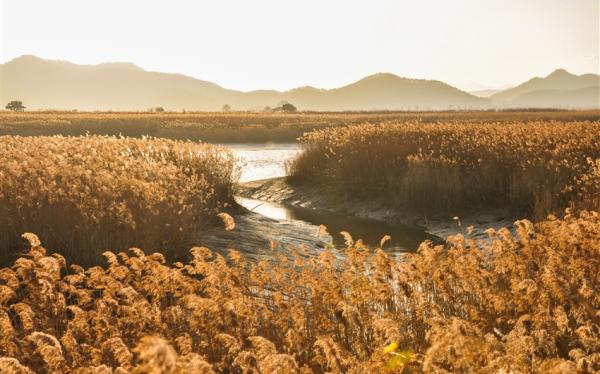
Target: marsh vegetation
<point>115,212</point>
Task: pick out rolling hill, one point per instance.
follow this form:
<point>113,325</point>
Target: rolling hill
<point>43,84</point>
<point>560,89</point>
<point>49,84</point>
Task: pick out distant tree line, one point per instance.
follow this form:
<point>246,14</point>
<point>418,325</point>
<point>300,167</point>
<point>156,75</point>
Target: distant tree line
<point>283,106</point>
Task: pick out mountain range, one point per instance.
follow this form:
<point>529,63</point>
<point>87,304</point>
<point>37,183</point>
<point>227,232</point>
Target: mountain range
<point>49,84</point>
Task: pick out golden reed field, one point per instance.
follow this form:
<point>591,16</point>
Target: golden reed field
<point>518,302</point>
<point>86,194</point>
<point>232,127</point>
<point>530,168</point>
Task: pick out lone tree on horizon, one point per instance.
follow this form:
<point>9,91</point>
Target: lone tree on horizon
<point>15,106</point>
<point>284,106</point>
<point>287,107</point>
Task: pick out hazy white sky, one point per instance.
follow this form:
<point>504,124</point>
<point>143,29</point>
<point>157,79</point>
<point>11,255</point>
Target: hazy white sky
<point>324,43</point>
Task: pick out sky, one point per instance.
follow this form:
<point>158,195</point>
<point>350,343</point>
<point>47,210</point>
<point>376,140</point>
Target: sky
<point>247,45</point>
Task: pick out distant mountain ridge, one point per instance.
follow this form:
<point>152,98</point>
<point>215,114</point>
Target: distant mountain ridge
<point>558,89</point>
<point>487,92</point>
<point>49,84</point>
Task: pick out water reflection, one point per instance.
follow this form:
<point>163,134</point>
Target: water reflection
<point>262,161</point>
<point>371,231</point>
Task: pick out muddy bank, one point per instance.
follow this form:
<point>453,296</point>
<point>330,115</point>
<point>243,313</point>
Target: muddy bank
<point>254,234</point>
<point>279,191</point>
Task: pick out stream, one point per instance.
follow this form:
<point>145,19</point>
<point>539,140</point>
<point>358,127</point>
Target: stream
<point>262,161</point>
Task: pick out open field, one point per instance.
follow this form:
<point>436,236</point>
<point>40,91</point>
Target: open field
<point>525,303</point>
<point>86,194</point>
<point>528,168</point>
<point>243,127</point>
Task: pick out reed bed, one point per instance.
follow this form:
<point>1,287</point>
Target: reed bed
<point>86,194</point>
<point>528,168</point>
<point>523,303</point>
<point>235,127</point>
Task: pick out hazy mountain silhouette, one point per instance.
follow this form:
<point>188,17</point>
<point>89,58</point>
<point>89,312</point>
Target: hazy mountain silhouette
<point>43,83</point>
<point>487,92</point>
<point>484,93</point>
<point>560,89</point>
<point>386,91</point>
<point>120,86</point>
<point>47,84</point>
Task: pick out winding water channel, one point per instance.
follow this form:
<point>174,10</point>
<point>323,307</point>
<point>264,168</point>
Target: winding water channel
<point>262,161</point>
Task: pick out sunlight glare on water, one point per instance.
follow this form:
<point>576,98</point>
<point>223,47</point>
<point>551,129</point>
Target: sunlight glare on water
<point>262,161</point>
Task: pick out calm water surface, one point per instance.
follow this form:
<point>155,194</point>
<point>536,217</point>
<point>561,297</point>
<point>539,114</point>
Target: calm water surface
<point>403,238</point>
<point>262,161</point>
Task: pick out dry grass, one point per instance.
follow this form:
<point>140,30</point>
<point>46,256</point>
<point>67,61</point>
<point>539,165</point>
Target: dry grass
<point>524,303</point>
<point>240,126</point>
<point>531,168</point>
<point>86,194</point>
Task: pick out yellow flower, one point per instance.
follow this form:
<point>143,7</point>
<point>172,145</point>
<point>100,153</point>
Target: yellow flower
<point>399,359</point>
<point>391,347</point>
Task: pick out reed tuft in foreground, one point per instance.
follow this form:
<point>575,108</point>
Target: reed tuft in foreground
<point>523,303</point>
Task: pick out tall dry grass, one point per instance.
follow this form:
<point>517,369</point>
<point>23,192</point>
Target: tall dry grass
<point>86,194</point>
<point>524,304</point>
<point>240,126</point>
<point>529,168</point>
